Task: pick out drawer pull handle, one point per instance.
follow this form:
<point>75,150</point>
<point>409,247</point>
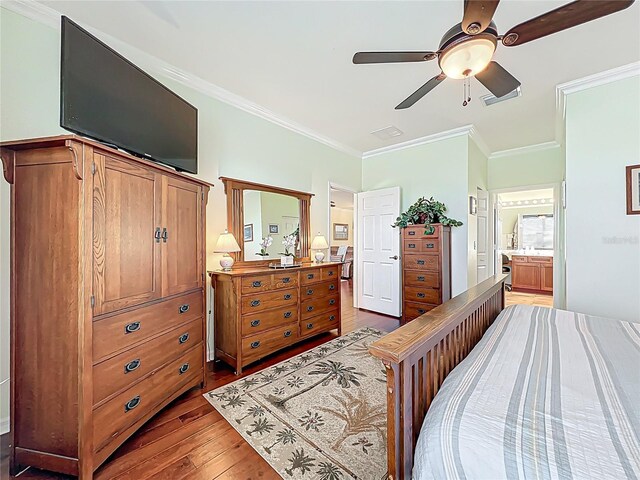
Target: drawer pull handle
<point>310,308</point>
<point>420,278</point>
<point>255,344</point>
<point>131,404</point>
<point>286,280</point>
<point>332,318</point>
<point>310,291</point>
<point>132,365</point>
<point>412,233</point>
<point>165,235</point>
<point>332,287</point>
<point>310,276</point>
<point>421,295</point>
<point>287,314</point>
<point>184,308</point>
<point>287,296</point>
<point>331,273</point>
<point>157,235</point>
<point>309,326</point>
<point>421,311</point>
<point>287,333</point>
<point>255,323</point>
<point>420,262</point>
<point>332,301</point>
<point>255,303</point>
<point>256,284</point>
<point>430,245</point>
<point>183,368</point>
<point>412,245</point>
<point>132,327</point>
<point>183,338</point>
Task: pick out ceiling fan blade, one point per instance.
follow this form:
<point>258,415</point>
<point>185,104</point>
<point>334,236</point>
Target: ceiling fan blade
<point>392,57</point>
<point>421,92</point>
<point>497,80</point>
<point>562,18</point>
<point>478,15</point>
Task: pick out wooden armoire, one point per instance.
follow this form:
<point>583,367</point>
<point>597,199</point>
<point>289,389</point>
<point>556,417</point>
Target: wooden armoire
<point>426,269</point>
<point>107,297</point>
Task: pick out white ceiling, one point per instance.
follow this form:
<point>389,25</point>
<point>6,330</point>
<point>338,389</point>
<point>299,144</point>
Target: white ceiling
<point>543,193</point>
<point>294,58</point>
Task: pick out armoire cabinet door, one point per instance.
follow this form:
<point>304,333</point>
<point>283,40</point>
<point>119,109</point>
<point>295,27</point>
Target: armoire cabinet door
<point>126,240</point>
<point>182,267</point>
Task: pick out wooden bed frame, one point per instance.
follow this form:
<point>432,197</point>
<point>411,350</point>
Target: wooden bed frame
<point>419,355</point>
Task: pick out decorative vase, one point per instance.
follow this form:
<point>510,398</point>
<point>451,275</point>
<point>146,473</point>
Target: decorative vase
<point>286,260</point>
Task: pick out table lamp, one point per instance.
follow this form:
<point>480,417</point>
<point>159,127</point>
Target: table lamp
<point>319,243</point>
<point>226,244</point>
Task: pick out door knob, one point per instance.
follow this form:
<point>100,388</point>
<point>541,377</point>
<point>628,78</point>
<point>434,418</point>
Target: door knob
<point>395,257</point>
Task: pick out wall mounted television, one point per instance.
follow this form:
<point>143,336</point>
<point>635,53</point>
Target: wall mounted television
<point>105,97</point>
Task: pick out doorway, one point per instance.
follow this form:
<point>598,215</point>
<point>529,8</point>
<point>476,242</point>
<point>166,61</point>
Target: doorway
<point>341,236</point>
<point>526,239</point>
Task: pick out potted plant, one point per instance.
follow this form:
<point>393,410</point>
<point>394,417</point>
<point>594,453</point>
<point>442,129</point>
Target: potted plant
<point>264,244</point>
<point>289,243</point>
<point>426,212</point>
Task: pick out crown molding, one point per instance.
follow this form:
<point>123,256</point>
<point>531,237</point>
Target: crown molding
<point>436,137</point>
<point>153,65</point>
<point>479,141</point>
<point>585,83</point>
<point>526,149</point>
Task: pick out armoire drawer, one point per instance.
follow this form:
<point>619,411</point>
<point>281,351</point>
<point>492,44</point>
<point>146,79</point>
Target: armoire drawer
<point>421,279</point>
<point>258,346</point>
<point>319,323</point>
<point>414,310</point>
<point>319,290</point>
<point>118,332</point>
<point>422,261</point>
<point>130,366</point>
<point>259,322</point>
<point>422,295</point>
<point>126,408</point>
<point>314,306</point>
<point>268,300</point>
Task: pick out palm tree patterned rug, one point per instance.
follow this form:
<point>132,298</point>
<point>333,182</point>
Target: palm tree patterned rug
<point>319,415</point>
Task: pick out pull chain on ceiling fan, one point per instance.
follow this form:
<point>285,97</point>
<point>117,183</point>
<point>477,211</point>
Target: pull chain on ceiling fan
<point>467,49</point>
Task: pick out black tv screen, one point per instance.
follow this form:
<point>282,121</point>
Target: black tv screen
<point>108,98</point>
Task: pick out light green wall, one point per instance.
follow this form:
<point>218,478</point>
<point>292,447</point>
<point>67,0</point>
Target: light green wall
<point>438,169</point>
<point>541,167</point>
<point>603,242</point>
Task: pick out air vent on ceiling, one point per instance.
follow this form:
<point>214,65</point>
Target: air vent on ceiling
<point>387,132</point>
<point>492,99</point>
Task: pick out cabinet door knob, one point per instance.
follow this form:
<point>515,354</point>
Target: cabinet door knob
<point>332,301</point>
<point>287,314</point>
<point>132,365</point>
<point>332,318</point>
<point>256,284</point>
<point>184,308</point>
<point>287,333</point>
<point>255,323</point>
<point>286,280</point>
<point>332,287</point>
<point>421,295</point>
<point>255,344</point>
<point>165,235</point>
<point>309,326</point>
<point>310,276</point>
<point>157,235</point>
<point>183,338</point>
<point>310,291</point>
<point>132,327</point>
<point>287,296</point>
<point>420,262</point>
<point>131,404</point>
<point>309,308</point>
<point>255,303</point>
<point>420,278</point>
<point>183,368</point>
<point>331,273</point>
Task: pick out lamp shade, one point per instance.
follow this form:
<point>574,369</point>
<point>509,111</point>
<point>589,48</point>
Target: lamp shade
<point>226,243</point>
<point>319,243</point>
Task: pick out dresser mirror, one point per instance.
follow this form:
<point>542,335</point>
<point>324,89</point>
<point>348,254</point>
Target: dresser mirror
<point>256,211</point>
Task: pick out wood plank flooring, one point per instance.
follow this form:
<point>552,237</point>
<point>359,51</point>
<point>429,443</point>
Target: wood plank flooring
<point>514,298</point>
<point>189,439</point>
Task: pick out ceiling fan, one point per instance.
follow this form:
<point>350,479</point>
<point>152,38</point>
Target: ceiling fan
<point>467,48</point>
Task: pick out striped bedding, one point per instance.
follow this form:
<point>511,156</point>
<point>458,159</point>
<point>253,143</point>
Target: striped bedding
<point>545,394</point>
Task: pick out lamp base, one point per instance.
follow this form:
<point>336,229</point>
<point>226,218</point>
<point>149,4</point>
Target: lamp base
<point>319,256</point>
<point>226,262</point>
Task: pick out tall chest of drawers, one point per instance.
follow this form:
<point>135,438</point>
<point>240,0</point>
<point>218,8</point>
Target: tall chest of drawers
<point>107,286</point>
<point>259,311</point>
<point>426,269</point>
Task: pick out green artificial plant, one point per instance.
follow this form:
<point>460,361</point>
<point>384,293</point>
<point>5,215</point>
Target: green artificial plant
<point>426,212</point>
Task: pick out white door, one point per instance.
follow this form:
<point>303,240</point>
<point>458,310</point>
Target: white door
<point>379,251</point>
<point>497,236</point>
<point>483,235</point>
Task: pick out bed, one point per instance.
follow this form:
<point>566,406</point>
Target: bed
<point>537,392</point>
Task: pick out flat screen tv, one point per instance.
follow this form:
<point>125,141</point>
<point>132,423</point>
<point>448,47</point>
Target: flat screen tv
<point>106,97</point>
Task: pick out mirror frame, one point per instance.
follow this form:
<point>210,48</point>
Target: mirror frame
<point>234,189</point>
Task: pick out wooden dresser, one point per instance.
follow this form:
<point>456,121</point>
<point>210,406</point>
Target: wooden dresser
<point>426,269</point>
<point>532,274</point>
<point>259,310</point>
<point>107,290</point>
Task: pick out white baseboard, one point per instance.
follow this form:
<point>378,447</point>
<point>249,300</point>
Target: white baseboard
<point>4,425</point>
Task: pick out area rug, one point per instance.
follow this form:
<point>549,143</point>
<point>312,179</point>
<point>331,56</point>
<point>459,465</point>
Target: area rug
<point>319,415</point>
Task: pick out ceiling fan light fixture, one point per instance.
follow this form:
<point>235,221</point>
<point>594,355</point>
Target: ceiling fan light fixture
<point>468,58</point>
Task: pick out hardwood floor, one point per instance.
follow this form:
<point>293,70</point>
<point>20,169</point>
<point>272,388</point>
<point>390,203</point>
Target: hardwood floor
<point>189,439</point>
<point>519,298</point>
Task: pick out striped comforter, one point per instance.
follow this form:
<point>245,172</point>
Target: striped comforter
<point>545,394</point>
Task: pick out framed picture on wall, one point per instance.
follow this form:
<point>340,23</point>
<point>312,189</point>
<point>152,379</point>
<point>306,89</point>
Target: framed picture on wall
<point>633,190</point>
<point>340,231</point>
<point>473,205</point>
<point>248,232</point>
<point>274,228</point>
